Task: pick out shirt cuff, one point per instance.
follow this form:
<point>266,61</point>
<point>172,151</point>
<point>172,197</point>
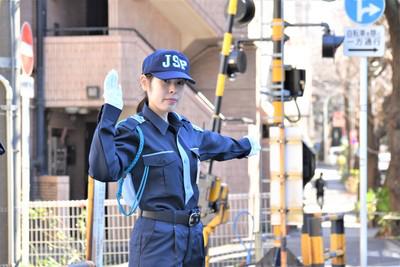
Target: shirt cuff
<point>255,145</point>
<point>110,113</point>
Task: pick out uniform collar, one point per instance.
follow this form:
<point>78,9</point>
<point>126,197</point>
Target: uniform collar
<point>159,123</point>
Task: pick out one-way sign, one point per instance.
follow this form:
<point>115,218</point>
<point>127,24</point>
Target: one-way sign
<point>364,41</point>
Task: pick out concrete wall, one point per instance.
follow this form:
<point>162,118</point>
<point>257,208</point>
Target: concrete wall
<point>142,16</point>
<point>74,62</point>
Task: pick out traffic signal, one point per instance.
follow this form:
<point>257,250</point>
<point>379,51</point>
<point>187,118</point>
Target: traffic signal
<point>330,43</point>
<point>336,136</point>
<point>237,61</point>
<point>245,12</point>
<point>295,80</point>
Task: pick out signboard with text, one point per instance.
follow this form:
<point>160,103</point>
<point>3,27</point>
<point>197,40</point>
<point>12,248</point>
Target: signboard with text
<point>364,41</point>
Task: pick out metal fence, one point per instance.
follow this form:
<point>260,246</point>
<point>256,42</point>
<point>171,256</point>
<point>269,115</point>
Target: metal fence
<point>57,232</point>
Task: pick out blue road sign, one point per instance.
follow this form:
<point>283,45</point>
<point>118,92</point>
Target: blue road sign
<point>364,11</point>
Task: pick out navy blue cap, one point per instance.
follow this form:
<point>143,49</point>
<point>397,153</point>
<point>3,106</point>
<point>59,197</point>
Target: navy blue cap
<point>167,64</point>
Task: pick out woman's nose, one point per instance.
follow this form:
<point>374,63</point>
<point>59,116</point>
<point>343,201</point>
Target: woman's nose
<point>172,87</point>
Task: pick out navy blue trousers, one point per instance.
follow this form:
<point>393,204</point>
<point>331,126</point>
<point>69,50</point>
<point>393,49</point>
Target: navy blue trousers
<point>160,244</point>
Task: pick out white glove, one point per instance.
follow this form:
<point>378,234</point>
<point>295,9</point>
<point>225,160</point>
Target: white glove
<point>255,145</point>
<point>112,90</point>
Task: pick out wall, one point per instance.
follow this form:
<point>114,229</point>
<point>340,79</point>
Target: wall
<point>74,62</point>
<point>142,16</point>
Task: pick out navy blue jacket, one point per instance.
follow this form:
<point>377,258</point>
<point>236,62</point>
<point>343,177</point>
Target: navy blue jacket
<point>114,146</point>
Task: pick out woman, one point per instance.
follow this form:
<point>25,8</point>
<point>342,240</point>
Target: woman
<point>168,231</point>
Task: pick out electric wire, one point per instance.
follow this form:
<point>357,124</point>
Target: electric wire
<point>298,113</point>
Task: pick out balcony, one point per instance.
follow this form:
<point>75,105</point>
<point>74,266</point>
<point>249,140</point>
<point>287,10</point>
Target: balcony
<point>72,63</point>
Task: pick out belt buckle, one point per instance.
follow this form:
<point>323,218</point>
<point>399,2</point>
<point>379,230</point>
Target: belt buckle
<point>194,218</point>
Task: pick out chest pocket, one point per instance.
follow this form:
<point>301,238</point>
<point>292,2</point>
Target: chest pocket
<point>163,172</point>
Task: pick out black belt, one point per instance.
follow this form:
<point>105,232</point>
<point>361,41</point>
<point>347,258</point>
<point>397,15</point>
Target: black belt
<point>189,218</point>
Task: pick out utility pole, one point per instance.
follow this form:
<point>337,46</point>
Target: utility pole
<point>10,199</point>
<point>278,78</point>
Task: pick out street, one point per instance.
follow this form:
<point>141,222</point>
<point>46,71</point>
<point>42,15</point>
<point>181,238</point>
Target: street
<point>381,252</point>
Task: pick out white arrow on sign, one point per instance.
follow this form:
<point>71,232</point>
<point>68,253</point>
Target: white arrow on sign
<point>371,9</point>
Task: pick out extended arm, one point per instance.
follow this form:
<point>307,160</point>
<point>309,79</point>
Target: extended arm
<point>218,147</point>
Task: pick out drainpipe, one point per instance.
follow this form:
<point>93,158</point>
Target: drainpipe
<point>9,108</point>
<point>40,130</point>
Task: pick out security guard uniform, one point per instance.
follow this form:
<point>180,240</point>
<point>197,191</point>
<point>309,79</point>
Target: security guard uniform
<point>168,231</point>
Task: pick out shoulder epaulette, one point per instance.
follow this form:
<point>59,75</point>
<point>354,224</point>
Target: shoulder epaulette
<point>197,128</point>
<point>131,122</point>
<point>140,119</point>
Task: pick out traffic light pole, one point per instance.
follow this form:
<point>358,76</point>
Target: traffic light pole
<point>278,78</point>
<point>223,69</point>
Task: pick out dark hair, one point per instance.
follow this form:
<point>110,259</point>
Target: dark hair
<point>145,100</point>
<point>141,104</point>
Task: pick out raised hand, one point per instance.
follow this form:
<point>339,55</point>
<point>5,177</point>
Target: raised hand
<point>112,90</point>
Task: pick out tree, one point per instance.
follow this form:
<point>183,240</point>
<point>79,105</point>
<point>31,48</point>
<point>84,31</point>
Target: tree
<point>392,107</point>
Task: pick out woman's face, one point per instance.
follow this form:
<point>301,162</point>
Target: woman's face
<point>163,95</point>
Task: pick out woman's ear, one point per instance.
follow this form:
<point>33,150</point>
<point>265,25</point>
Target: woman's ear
<point>144,82</point>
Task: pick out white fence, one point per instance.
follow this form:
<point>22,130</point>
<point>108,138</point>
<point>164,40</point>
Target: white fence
<point>57,231</point>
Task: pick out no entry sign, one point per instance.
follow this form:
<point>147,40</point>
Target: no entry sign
<point>26,49</point>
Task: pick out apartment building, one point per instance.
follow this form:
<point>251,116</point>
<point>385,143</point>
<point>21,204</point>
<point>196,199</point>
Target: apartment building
<point>85,39</point>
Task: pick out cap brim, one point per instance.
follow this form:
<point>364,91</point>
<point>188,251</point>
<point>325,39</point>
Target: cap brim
<point>167,75</point>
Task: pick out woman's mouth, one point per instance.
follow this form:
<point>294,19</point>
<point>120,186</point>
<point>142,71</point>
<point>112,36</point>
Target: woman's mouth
<point>171,100</point>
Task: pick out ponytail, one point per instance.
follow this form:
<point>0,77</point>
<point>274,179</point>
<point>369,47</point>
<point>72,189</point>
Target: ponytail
<point>141,104</point>
<point>145,100</point>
